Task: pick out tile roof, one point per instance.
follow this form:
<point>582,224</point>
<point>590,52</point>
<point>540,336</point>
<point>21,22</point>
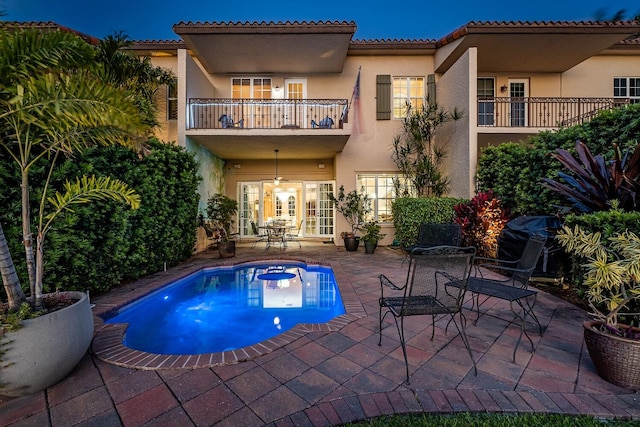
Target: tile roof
<point>49,25</point>
<point>513,26</point>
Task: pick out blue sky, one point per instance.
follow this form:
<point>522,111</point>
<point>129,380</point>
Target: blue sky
<point>408,19</point>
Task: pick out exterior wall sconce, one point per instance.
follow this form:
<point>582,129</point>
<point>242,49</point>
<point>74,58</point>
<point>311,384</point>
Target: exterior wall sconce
<point>503,88</point>
<point>237,166</point>
<point>321,165</point>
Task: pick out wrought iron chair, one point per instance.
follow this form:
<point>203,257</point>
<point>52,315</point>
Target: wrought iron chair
<point>508,280</point>
<point>260,237</point>
<point>295,237</point>
<point>436,234</point>
<point>435,284</point>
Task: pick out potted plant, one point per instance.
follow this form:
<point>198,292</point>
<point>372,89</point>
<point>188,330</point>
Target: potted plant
<point>354,207</point>
<point>44,116</point>
<point>612,276</point>
<point>222,211</point>
<point>372,236</point>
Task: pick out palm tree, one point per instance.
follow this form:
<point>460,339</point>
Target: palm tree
<point>52,104</point>
<point>119,66</point>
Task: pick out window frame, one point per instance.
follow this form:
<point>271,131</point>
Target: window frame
<point>361,181</point>
<point>627,88</point>
<point>172,100</point>
<point>403,94</point>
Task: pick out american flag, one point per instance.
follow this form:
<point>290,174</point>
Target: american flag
<point>354,106</point>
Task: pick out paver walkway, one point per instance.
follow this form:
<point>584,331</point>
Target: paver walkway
<point>331,377</point>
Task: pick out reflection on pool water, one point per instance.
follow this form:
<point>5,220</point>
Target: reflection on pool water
<point>225,308</point>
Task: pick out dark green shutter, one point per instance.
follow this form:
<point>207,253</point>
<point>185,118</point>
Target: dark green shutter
<point>431,88</point>
<point>383,97</point>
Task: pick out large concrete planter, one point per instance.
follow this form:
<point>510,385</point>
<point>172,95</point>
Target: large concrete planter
<point>45,349</point>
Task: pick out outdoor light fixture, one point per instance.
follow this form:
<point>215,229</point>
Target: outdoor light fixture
<point>277,178</point>
<point>503,88</point>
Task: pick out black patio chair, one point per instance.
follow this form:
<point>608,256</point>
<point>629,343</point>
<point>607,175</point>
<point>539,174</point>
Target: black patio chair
<point>260,237</point>
<point>295,237</point>
<point>509,280</point>
<point>436,234</point>
<point>435,284</point>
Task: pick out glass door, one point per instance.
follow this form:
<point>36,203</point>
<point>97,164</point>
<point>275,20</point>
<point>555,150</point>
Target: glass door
<point>518,92</point>
<point>486,101</point>
<point>250,207</point>
<point>295,113</point>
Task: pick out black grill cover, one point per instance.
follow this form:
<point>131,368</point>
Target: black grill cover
<point>554,262</point>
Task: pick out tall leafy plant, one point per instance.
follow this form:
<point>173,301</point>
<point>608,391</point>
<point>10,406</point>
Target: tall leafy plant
<point>354,206</point>
<point>417,155</point>
<point>592,183</point>
<point>52,105</point>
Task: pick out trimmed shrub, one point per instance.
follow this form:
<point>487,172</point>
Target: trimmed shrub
<point>100,245</point>
<point>409,213</point>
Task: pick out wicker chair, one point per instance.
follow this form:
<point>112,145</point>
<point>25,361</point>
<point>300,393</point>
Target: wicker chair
<point>435,284</point>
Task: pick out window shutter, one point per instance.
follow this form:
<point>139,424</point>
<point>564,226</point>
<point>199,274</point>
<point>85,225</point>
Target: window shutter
<point>383,97</point>
<point>431,88</point>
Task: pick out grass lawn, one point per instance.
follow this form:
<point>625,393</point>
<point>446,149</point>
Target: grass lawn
<point>490,420</point>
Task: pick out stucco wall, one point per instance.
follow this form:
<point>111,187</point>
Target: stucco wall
<point>457,88</point>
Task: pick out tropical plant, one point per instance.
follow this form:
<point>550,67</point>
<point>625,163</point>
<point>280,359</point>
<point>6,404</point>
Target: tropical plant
<point>611,270</point>
<point>594,182</point>
<point>354,207</point>
<point>482,220</point>
<point>371,230</point>
<point>119,66</point>
<point>52,105</point>
<point>416,153</point>
<point>222,210</point>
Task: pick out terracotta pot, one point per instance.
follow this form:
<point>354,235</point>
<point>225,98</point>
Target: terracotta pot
<point>617,359</point>
<point>45,349</point>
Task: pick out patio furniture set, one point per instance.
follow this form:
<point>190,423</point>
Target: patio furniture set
<point>276,232</point>
<point>440,273</point>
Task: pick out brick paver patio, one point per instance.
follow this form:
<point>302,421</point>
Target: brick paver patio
<point>336,373</point>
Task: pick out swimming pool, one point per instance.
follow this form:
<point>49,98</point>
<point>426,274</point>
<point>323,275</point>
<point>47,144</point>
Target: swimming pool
<point>224,308</point>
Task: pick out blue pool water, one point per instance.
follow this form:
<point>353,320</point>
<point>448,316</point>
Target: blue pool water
<point>225,308</point>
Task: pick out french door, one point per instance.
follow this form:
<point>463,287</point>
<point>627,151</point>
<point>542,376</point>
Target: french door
<point>296,201</point>
<point>518,92</point>
<point>295,113</point>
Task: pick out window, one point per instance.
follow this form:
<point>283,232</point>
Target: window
<point>382,193</point>
<point>627,87</point>
<point>486,106</point>
<point>407,90</point>
<point>172,100</point>
<point>253,88</point>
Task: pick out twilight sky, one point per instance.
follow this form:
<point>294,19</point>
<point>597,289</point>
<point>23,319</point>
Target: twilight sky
<point>409,19</point>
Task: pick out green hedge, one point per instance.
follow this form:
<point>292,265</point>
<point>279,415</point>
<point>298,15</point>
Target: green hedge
<point>409,213</point>
<point>514,171</point>
<point>102,244</point>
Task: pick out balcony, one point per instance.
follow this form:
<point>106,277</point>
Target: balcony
<point>225,113</point>
<point>507,112</point>
<point>253,128</point>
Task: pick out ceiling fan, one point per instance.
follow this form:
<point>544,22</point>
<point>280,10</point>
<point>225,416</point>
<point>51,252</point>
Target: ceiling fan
<point>277,178</point>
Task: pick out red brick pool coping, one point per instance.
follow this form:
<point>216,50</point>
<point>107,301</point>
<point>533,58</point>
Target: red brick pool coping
<point>108,340</point>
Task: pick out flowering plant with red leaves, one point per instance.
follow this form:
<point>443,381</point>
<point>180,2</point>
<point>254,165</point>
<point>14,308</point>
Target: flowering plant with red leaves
<point>482,219</point>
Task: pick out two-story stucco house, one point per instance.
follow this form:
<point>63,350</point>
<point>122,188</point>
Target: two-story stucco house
<point>282,114</point>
